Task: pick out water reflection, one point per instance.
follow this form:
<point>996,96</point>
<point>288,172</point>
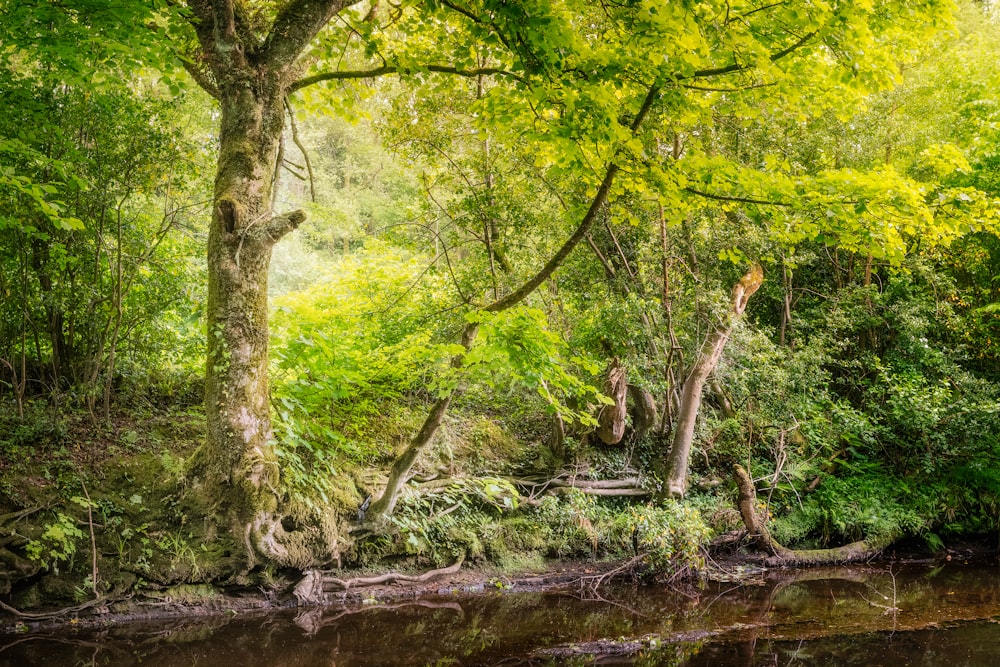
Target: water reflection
<point>836,616</point>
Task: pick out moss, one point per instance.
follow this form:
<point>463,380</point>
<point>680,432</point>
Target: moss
<point>516,543</point>
<point>190,593</point>
<point>515,534</point>
<point>486,446</point>
<point>312,534</point>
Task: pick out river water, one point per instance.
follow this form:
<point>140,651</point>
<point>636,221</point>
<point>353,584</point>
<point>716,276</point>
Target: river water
<point>920,615</point>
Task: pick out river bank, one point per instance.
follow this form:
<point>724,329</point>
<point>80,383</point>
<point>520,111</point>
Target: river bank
<point>860,614</point>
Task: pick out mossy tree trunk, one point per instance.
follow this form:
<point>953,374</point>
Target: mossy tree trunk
<point>708,358</point>
<point>249,72</point>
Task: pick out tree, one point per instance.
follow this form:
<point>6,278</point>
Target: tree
<point>680,451</point>
<point>579,79</point>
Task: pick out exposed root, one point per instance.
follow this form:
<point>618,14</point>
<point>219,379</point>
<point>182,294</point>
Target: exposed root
<point>315,584</point>
<point>44,616</point>
<point>854,552</point>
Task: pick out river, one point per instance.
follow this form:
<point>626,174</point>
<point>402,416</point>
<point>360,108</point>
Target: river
<point>926,615</point>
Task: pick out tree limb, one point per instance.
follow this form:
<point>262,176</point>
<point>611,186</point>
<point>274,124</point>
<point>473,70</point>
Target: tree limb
<point>201,77</point>
<point>295,26</point>
<point>740,200</point>
<point>203,22</point>
<point>598,202</point>
<point>274,229</point>
<point>393,69</point>
<point>736,67</point>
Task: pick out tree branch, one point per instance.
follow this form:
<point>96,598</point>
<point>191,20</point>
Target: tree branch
<point>295,26</point>
<point>736,67</point>
<point>201,77</point>
<point>739,200</point>
<point>392,69</point>
<point>596,205</point>
<point>274,229</point>
<point>203,22</point>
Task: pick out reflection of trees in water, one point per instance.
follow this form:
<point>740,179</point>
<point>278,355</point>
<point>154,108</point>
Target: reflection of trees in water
<point>861,616</point>
<point>726,624</point>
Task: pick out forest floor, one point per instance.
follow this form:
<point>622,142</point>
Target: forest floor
<point>100,503</point>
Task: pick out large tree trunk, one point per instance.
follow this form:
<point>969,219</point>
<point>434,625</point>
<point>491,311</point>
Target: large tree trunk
<point>249,73</point>
<point>708,358</point>
<point>239,450</point>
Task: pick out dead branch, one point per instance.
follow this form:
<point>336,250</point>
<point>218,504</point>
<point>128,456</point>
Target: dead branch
<point>629,486</point>
<point>602,492</point>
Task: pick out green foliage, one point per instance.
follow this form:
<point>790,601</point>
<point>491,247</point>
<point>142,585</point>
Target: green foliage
<point>670,535</point>
<point>57,544</point>
<point>347,348</point>
<point>517,345</point>
<point>447,522</point>
<point>93,241</point>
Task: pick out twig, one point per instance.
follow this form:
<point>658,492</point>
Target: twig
<point>594,582</point>
<point>302,149</point>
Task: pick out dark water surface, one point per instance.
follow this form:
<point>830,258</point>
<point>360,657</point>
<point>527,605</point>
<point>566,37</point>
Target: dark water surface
<point>915,615</point>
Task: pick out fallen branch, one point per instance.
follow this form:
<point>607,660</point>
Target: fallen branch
<point>333,583</point>
<point>593,582</point>
<point>630,486</point>
<point>14,516</point>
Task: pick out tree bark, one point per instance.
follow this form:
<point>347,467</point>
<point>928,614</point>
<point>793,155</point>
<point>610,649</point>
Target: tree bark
<point>611,419</point>
<point>643,410</point>
<point>708,358</point>
<point>242,233</point>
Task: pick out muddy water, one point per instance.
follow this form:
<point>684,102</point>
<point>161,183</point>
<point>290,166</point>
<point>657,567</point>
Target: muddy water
<point>912,615</point>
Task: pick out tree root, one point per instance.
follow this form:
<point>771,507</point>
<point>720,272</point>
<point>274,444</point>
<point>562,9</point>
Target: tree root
<point>44,616</point>
<point>315,584</point>
<point>629,486</point>
<point>854,552</point>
